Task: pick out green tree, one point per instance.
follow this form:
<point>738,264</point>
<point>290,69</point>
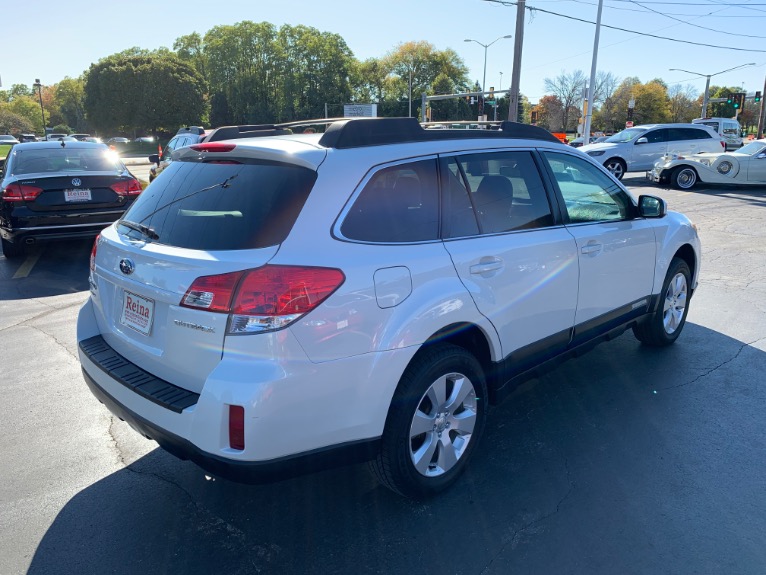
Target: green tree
<point>11,123</point>
<point>683,102</point>
<point>191,49</point>
<point>568,88</point>
<point>143,92</point>
<point>70,96</point>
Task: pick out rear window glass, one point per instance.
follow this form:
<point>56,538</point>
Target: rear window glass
<point>97,159</point>
<point>222,206</point>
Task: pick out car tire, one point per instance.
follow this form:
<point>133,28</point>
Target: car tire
<point>12,250</point>
<point>664,325</point>
<point>683,178</point>
<point>434,423</point>
<point>616,166</point>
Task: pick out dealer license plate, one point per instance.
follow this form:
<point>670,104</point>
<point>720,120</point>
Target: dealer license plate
<point>137,312</point>
<point>77,195</point>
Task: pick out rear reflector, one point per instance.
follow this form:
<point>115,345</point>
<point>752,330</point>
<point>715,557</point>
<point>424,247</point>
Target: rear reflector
<point>130,187</point>
<point>237,427</point>
<point>213,147</point>
<point>266,298</point>
<point>19,193</point>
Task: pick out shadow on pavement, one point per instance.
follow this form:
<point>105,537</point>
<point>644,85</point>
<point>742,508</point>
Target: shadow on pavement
<point>48,269</point>
<point>627,460</point>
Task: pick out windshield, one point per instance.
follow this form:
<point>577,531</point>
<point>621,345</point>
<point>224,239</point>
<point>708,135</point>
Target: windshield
<point>752,148</point>
<point>36,160</point>
<point>626,135</point>
<point>713,124</point>
<point>244,204</point>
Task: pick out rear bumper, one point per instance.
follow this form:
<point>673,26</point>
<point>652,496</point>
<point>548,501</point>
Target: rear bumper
<point>50,233</point>
<point>234,470</point>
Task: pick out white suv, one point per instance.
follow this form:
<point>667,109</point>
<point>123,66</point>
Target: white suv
<point>636,149</point>
<point>275,304</point>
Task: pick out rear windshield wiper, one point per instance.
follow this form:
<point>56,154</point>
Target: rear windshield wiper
<point>143,229</point>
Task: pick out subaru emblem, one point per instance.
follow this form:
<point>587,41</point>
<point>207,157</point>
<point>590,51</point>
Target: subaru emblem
<point>76,182</point>
<point>127,266</point>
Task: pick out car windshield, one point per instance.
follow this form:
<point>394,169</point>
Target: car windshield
<point>626,135</point>
<point>752,148</point>
<point>97,159</point>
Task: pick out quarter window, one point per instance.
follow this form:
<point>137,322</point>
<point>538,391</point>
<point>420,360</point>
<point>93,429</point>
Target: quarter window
<point>398,204</point>
<point>589,194</point>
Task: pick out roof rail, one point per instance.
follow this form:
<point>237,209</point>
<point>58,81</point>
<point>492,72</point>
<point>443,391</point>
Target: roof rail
<point>191,130</point>
<point>342,133</point>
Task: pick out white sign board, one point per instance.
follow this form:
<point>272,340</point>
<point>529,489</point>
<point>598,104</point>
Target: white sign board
<point>360,110</point>
<point>628,124</point>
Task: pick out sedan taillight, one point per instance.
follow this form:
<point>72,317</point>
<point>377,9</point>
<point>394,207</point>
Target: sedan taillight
<point>19,193</point>
<point>131,187</point>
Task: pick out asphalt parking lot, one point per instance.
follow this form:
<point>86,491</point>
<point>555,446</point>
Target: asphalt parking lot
<point>626,460</point>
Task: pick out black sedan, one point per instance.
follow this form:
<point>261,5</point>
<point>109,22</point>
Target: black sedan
<point>58,190</point>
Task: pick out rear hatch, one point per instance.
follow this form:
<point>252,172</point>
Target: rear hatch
<point>198,219</point>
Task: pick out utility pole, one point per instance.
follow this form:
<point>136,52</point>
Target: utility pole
<point>592,85</point>
<point>513,95</point>
<point>759,134</point>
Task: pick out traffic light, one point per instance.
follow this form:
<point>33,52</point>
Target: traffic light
<point>729,98</point>
<point>491,92</point>
<point>533,116</point>
<point>738,100</point>
<point>520,112</point>
<point>757,97</point>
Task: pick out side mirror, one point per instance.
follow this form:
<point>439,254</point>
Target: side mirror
<point>652,207</point>
<point>155,159</point>
<point>642,140</point>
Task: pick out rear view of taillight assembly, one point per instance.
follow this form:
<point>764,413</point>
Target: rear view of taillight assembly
<point>19,193</point>
<point>131,187</point>
<point>93,251</point>
<point>266,298</point>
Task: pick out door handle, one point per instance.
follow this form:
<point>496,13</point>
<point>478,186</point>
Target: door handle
<point>591,249</point>
<point>486,265</point>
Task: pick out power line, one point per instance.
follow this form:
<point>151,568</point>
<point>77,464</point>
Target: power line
<point>697,25</point>
<point>645,10</point>
<point>646,34</point>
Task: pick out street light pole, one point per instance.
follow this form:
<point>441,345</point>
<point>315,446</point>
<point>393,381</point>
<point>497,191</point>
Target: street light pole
<point>39,87</point>
<point>486,46</point>
<point>706,99</point>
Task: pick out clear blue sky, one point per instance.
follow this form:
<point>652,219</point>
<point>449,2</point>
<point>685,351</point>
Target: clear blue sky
<point>51,39</point>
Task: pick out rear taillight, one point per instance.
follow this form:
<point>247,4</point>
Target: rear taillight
<point>237,427</point>
<point>213,147</point>
<point>723,144</point>
<point>93,253</point>
<point>131,187</point>
<point>19,193</point>
<point>265,298</point>
<point>212,293</point>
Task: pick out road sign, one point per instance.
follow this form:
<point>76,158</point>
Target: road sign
<point>628,124</point>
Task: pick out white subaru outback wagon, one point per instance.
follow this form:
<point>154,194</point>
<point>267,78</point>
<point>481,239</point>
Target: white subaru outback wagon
<point>277,302</point>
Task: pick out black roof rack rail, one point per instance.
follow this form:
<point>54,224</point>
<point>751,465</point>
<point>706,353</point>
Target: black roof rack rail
<point>343,133</point>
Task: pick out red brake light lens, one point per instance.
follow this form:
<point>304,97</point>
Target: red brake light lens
<point>130,187</point>
<point>213,147</point>
<point>265,298</point>
<point>212,293</point>
<point>93,251</point>
<point>19,193</point>
<point>285,290</point>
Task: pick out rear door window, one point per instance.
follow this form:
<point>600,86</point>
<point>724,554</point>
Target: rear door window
<point>222,206</point>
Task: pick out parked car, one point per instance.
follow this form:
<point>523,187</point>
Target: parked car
<point>728,128</point>
<point>273,304</point>
<point>117,141</point>
<point>56,190</point>
<point>53,137</point>
<point>81,137</point>
<point>7,139</point>
<point>184,137</point>
<point>636,149</point>
<point>746,166</point>
<point>28,138</point>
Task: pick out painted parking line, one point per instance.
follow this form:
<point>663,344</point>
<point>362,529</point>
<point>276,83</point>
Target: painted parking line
<point>25,268</point>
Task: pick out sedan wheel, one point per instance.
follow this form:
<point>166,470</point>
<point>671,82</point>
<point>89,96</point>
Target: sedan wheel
<point>664,324</point>
<point>675,303</point>
<point>616,166</point>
